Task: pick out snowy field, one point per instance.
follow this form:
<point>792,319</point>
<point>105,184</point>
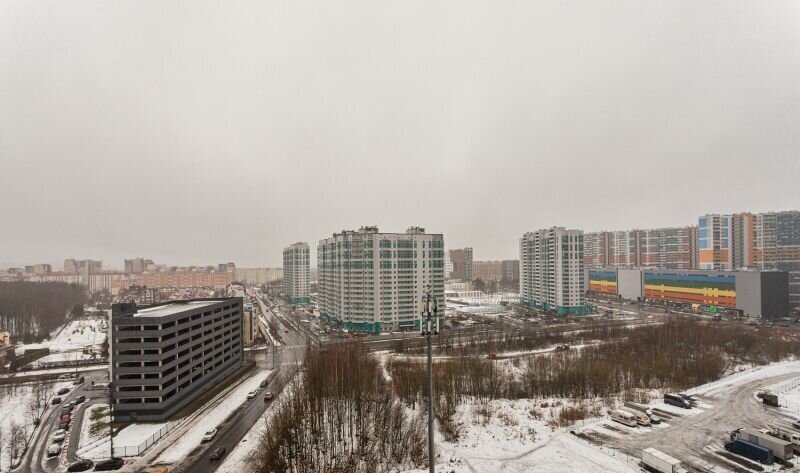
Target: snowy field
<point>210,419</point>
<point>14,402</point>
<point>75,336</point>
<point>517,437</point>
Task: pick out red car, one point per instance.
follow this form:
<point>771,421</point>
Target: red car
<point>268,396</point>
<point>217,453</point>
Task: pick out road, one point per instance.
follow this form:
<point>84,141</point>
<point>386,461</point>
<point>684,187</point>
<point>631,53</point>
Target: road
<point>36,460</point>
<point>287,358</point>
<point>695,438</point>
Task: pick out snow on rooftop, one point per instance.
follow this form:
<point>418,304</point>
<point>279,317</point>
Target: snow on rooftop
<point>172,308</point>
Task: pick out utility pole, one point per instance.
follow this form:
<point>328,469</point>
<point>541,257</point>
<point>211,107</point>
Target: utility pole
<point>111,415</point>
<point>429,325</point>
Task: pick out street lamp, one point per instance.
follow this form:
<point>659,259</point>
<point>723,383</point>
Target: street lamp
<point>429,325</point>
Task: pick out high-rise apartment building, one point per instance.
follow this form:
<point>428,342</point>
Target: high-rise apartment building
<point>511,270</point>
<point>296,273</point>
<point>776,245</point>
<point>463,268</point>
<point>372,281</point>
<point>487,270</point>
<point>551,271</point>
<point>725,242</point>
<point>666,248</point>
<point>139,265</point>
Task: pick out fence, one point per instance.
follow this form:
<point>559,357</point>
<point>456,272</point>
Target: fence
<point>785,387</point>
<point>137,450</point>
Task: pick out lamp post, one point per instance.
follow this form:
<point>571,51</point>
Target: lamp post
<point>429,325</point>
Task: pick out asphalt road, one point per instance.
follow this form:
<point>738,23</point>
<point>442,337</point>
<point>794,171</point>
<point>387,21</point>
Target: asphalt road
<point>232,432</point>
<point>36,460</point>
<point>694,439</point>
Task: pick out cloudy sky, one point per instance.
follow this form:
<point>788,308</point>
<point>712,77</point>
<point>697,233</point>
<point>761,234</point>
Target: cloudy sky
<point>199,132</point>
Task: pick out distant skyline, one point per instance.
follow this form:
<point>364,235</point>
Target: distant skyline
<point>208,132</point>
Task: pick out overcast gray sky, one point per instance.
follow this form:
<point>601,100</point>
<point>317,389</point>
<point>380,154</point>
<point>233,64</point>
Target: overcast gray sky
<point>200,132</point>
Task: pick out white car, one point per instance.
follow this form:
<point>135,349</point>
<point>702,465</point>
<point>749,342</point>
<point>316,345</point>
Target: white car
<point>53,450</point>
<point>209,436</point>
<point>59,435</point>
<point>252,394</point>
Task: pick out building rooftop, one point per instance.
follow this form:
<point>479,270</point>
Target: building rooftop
<point>172,308</point>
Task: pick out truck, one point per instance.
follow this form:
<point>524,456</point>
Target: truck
<point>623,417</point>
<point>751,451</point>
<point>770,399</point>
<point>661,462</point>
<point>654,419</point>
<point>781,449</point>
<point>783,433</point>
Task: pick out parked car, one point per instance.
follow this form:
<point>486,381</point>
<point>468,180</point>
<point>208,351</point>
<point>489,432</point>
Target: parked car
<point>218,453</point>
<point>63,425</point>
<point>62,391</point>
<point>252,394</point>
<point>59,435</point>
<point>65,418</point>
<point>209,436</point>
<point>55,400</point>
<point>109,465</point>
<point>692,399</point>
<point>80,399</point>
<point>796,424</point>
<point>66,409</point>
<point>268,396</point>
<point>81,465</point>
<point>53,450</point>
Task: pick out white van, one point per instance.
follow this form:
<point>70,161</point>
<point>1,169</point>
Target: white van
<point>641,418</point>
<point>623,417</point>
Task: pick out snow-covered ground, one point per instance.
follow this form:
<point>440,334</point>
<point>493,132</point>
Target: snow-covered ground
<point>98,446</point>
<point>210,419</point>
<point>745,375</point>
<point>75,336</point>
<point>516,437</point>
<point>14,402</point>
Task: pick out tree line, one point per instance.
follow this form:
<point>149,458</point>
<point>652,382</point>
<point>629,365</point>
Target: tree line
<point>340,415</point>
<point>673,356</point>
<point>31,310</point>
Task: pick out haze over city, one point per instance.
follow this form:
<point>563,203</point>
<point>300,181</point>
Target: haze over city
<point>125,129</point>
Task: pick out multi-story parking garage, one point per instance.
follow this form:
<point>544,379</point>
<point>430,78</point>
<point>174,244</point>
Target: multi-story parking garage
<point>165,355</point>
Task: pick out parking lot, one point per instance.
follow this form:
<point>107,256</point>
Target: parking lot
<point>697,436</point>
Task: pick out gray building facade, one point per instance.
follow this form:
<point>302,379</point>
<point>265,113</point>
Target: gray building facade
<point>165,355</point>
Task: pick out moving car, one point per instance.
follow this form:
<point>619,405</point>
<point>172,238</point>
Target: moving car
<point>268,396</point>
<point>78,381</point>
<point>209,436</point>
<point>81,465</point>
<point>53,450</point>
<point>110,464</point>
<point>252,394</point>
<point>217,453</point>
<point>55,400</point>
<point>59,435</point>
<point>80,399</point>
<point>62,391</point>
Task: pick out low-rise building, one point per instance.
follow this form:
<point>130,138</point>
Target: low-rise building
<point>747,293</point>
